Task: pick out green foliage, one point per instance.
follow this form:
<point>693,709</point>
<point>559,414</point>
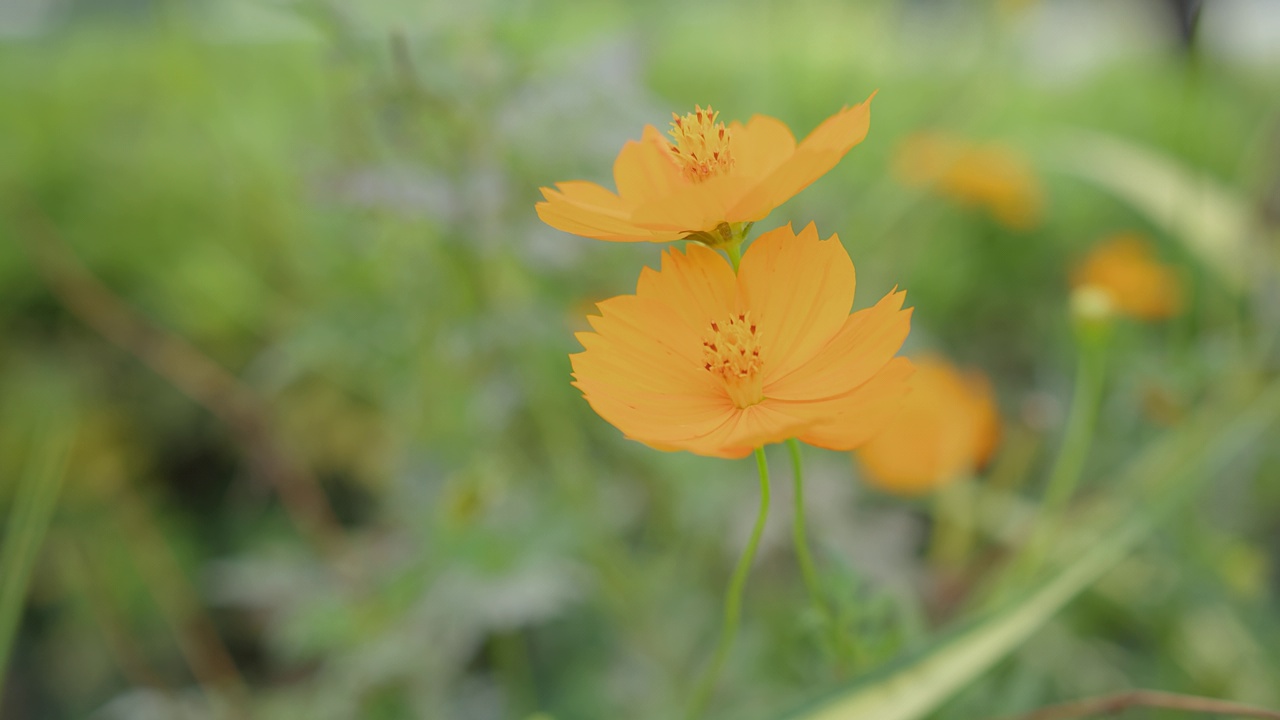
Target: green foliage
<point>313,226</point>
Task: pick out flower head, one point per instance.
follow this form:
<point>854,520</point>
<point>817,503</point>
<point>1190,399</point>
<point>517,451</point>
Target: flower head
<point>706,181</point>
<point>701,359</point>
<point>948,427</point>
<point>988,175</point>
<point>1125,270</point>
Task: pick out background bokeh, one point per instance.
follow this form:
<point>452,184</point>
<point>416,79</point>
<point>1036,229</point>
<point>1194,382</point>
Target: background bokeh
<point>285,344</point>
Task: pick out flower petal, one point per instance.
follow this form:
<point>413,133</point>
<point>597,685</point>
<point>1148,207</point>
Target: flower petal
<point>644,170</point>
<point>585,208</point>
<point>693,207</point>
<point>641,371</point>
<point>764,424</point>
<point>654,420</point>
<point>865,343</point>
<point>991,175</point>
<point>841,131</point>
<point>815,156</point>
<point>698,285</point>
<point>947,427</point>
<point>799,289</point>
<point>739,434</point>
<point>918,450</point>
<point>643,368</point>
<point>987,422</point>
<point>761,146</point>
<point>845,422</point>
<point>1139,285</point>
<point>589,196</point>
<point>650,329</point>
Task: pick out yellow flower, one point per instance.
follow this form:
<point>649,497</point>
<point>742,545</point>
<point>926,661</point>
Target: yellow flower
<point>701,359</point>
<point>989,175</point>
<point>948,427</point>
<point>1124,270</point>
<point>707,182</point>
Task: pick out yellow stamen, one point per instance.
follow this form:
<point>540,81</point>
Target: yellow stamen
<point>702,145</point>
<point>732,353</point>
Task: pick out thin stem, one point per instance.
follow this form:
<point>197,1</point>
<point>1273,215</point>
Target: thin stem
<point>733,598</point>
<point>800,537</point>
<point>953,513</point>
<point>1065,475</point>
<point>734,251</point>
<point>1079,435</point>
<point>798,528</point>
<point>33,507</point>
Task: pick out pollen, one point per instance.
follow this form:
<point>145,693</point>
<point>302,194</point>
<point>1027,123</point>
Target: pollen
<point>701,145</point>
<point>731,352</point>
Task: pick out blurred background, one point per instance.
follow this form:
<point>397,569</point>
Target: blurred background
<point>286,428</point>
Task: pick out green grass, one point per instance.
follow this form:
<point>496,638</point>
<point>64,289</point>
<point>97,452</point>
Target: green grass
<point>336,210</point>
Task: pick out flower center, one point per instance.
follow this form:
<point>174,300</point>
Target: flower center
<point>701,146</point>
<point>732,353</point>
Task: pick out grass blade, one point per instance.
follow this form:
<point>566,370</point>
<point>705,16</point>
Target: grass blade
<point>35,498</point>
<point>1207,217</point>
<point>917,686</point>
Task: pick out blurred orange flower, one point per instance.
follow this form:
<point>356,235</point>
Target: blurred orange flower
<point>949,426</point>
<point>702,360</point>
<point>1125,269</point>
<point>707,183</point>
<point>990,175</point>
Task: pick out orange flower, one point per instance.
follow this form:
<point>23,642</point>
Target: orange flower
<point>702,360</point>
<point>948,427</point>
<point>1124,268</point>
<point>989,175</point>
<point>706,184</point>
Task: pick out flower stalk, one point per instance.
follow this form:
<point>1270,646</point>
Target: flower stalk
<point>1092,336</point>
<point>841,644</point>
<point>952,541</point>
<point>733,598</point>
<point>799,533</point>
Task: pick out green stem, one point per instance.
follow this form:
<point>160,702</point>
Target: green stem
<point>34,503</point>
<point>805,558</point>
<point>1079,435</point>
<point>798,530</point>
<point>1065,475</point>
<point>953,526</point>
<point>735,254</point>
<point>733,598</point>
